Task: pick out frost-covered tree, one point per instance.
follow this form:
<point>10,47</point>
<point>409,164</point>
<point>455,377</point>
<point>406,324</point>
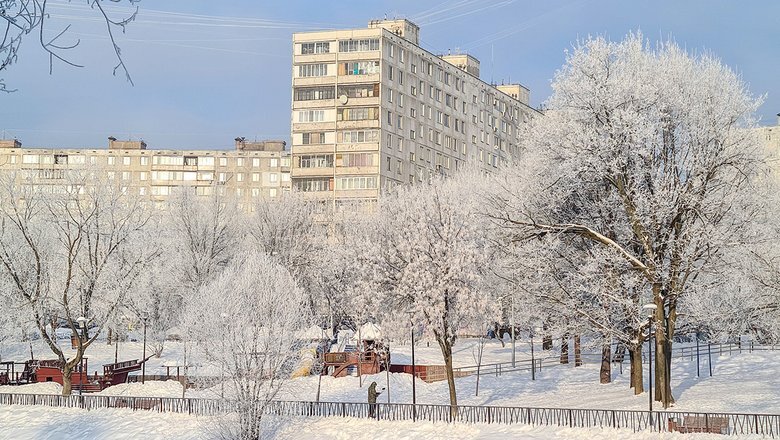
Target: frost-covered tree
<point>26,18</point>
<point>425,256</point>
<point>291,230</point>
<point>72,253</point>
<point>655,139</point>
<point>244,322</point>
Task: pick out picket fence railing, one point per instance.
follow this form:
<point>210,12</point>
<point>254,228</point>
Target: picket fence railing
<point>767,425</point>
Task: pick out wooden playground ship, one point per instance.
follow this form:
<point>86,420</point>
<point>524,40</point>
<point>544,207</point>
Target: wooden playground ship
<point>50,370</point>
<point>355,354</point>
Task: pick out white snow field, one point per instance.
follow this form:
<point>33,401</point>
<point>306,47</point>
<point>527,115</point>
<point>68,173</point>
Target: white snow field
<point>741,382</point>
<point>45,423</point>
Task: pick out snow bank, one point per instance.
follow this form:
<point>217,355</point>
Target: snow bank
<point>33,388</point>
<point>152,388</point>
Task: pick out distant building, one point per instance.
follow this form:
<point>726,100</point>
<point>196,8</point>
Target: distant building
<point>251,171</point>
<point>372,109</point>
<point>770,139</point>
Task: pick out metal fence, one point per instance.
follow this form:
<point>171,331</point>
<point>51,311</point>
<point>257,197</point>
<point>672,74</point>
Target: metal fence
<point>767,425</point>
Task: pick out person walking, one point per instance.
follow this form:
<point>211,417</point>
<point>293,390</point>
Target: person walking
<point>372,395</point>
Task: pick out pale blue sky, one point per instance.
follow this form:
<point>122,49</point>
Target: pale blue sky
<point>206,72</point>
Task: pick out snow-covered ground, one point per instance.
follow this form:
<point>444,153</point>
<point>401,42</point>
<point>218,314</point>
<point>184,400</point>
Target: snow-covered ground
<point>746,382</point>
<point>44,423</point>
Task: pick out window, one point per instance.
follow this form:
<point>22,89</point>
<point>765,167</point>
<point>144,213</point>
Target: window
<point>142,175</point>
<point>359,68</point>
<point>313,138</point>
<point>390,73</point>
<point>189,176</point>
<point>314,93</point>
<point>316,161</point>
<point>356,182</point>
<point>313,185</point>
<point>311,115</point>
<point>356,159</point>
<point>312,48</point>
<point>389,95</point>
<point>400,77</point>
<point>206,161</point>
<point>111,160</point>
<point>30,158</point>
<point>273,177</point>
<point>240,177</point>
<point>60,159</point>
<point>255,162</point>
<point>399,167</point>
<point>190,161</point>
<point>167,160</point>
<point>388,164</point>
<point>308,70</point>
<point>391,50</point>
<point>255,192</point>
<point>358,45</point>
<point>125,175</point>
<point>126,161</point>
<point>255,177</point>
<point>223,161</point>
<point>272,192</point>
<point>144,161</point>
<point>274,162</point>
<point>359,136</point>
<point>142,191</point>
<point>358,114</point>
<point>360,91</point>
<point>240,162</point>
<point>400,100</point>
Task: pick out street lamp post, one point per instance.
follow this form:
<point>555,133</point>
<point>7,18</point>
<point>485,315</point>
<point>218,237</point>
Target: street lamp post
<point>512,323</point>
<point>414,372</point>
<point>697,353</point>
<point>144,318</point>
<point>533,361</point>
<point>650,308</point>
<point>83,326</point>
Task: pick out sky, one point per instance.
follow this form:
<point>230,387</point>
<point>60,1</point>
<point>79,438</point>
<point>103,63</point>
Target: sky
<point>206,72</point>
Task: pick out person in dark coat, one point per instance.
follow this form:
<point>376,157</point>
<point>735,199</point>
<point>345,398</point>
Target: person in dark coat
<point>372,395</point>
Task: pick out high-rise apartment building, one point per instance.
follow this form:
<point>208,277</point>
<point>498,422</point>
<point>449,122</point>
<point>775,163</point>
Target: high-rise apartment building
<point>251,171</point>
<point>372,109</point>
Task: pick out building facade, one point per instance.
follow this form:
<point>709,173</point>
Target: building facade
<point>372,109</point>
<point>251,171</point>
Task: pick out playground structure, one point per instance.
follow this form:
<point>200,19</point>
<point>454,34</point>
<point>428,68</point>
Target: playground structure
<point>369,357</point>
<point>50,370</point>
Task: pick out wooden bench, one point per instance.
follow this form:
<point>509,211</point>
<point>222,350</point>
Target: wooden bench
<point>703,424</point>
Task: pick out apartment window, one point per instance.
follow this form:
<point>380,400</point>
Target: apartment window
<point>164,160</point>
<point>255,177</point>
<point>12,158</point>
<point>240,177</point>
<point>358,114</point>
<point>317,47</point>
<point>126,161</point>
<point>390,95</point>
<point>389,118</point>
<point>413,90</point>
<point>356,182</point>
<point>142,175</point>
<point>240,162</point>
<point>142,191</point>
<point>314,93</point>
<point>391,50</point>
<point>400,100</point>
<point>311,115</point>
<point>144,160</point>
<point>316,161</point>
<point>30,158</point>
<point>60,159</point>
<point>255,162</point>
<point>111,175</point>
<point>360,91</point>
<point>313,185</point>
<point>356,159</point>
<point>274,162</point>
<point>222,177</point>
<point>390,72</point>
<point>399,167</point>
<point>285,177</point>
<point>402,55</point>
<point>400,122</point>
<point>308,70</point>
<point>412,112</point>
<point>189,176</point>
<point>272,192</point>
<point>255,192</point>
<point>359,68</point>
<point>400,77</point>
<point>223,161</point>
<point>313,138</point>
<point>359,136</point>
<point>125,175</point>
<point>414,68</point>
<point>273,177</point>
<point>359,45</point>
<point>388,164</point>
<point>111,160</point>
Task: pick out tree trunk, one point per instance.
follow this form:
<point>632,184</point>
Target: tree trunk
<point>547,342</point>
<point>110,336</point>
<point>565,349</point>
<point>635,353</point>
<point>663,326</point>
<point>67,380</point>
<point>578,351</point>
<point>605,375</point>
<point>446,351</point>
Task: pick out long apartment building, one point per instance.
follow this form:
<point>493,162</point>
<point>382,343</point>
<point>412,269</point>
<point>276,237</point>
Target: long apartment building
<point>251,171</point>
<point>372,109</point>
